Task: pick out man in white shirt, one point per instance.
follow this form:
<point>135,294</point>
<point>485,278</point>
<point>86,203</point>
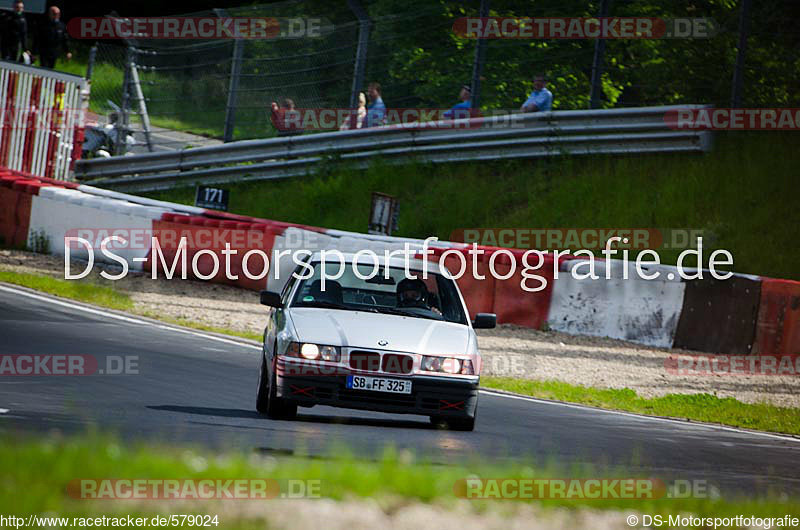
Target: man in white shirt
<point>541,99</point>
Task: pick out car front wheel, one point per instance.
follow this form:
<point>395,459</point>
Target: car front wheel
<point>454,424</point>
<point>267,400</point>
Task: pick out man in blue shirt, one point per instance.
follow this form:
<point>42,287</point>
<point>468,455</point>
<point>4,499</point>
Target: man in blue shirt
<point>541,99</point>
<point>463,109</point>
<point>376,110</point>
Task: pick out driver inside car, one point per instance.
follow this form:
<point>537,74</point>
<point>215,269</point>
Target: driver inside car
<point>414,293</point>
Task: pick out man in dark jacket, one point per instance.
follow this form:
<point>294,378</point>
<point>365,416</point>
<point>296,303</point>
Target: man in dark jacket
<point>15,34</point>
<point>52,39</point>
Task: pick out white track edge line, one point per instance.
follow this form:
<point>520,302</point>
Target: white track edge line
<point>131,319</point>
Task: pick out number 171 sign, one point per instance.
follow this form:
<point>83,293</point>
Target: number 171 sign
<point>212,198</point>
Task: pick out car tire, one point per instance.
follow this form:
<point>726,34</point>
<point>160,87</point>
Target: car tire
<point>461,424</point>
<point>262,396</point>
<point>267,400</point>
<point>454,424</point>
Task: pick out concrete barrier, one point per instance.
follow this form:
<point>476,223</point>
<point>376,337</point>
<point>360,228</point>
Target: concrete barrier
<point>719,315</point>
<point>60,212</point>
<point>778,325</point>
<point>643,311</point>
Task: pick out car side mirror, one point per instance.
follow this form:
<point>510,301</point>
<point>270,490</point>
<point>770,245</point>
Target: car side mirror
<point>485,321</point>
<point>271,299</point>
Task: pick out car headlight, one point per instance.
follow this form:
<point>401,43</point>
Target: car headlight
<point>447,365</point>
<point>313,352</point>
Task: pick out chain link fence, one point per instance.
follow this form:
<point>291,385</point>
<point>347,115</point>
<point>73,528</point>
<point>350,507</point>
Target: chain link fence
<point>223,88</point>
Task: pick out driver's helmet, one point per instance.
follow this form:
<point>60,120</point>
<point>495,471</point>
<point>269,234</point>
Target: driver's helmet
<point>412,293</point>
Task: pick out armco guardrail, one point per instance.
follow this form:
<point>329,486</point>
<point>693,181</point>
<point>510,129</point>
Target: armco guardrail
<point>615,131</point>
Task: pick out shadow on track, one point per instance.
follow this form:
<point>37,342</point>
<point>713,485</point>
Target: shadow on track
<point>370,422</point>
<point>301,418</point>
<point>208,411</point>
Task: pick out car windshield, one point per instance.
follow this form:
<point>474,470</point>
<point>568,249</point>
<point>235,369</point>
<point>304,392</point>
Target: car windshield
<point>434,298</point>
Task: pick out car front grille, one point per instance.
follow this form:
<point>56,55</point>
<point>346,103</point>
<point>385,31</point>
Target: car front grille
<point>390,363</point>
<point>397,364</point>
<point>365,360</point>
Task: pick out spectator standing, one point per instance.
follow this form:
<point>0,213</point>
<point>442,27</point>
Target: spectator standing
<point>15,34</point>
<point>52,39</point>
<point>286,125</point>
<point>376,110</point>
<point>541,99</point>
<point>462,109</point>
<point>356,119</point>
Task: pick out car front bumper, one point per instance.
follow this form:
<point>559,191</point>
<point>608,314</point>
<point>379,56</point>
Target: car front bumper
<point>445,397</point>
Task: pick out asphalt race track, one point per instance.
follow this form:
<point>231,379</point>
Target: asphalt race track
<point>198,388</point>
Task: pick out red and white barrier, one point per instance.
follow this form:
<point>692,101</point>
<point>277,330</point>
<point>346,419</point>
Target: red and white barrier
<point>42,119</point>
<point>747,314</point>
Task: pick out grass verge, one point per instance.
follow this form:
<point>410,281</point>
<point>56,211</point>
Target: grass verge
<point>80,290</point>
<point>44,467</point>
<point>697,407</point>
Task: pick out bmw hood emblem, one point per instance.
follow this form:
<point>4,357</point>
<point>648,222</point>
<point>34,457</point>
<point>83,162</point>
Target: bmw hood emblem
<point>383,342</point>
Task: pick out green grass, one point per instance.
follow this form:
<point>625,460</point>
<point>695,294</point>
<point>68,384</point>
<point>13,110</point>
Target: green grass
<point>697,407</point>
<point>37,471</point>
<point>80,290</point>
<point>203,327</point>
<point>744,193</point>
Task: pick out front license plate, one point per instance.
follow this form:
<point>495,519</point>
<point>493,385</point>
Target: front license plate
<point>379,384</point>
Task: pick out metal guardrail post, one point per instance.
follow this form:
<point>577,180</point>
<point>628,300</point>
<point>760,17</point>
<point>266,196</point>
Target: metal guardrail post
<point>92,58</point>
<point>597,62</point>
<point>143,115</point>
<point>233,85</point>
<point>738,75</point>
<point>480,59</point>
<point>359,68</point>
<point>123,120</point>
